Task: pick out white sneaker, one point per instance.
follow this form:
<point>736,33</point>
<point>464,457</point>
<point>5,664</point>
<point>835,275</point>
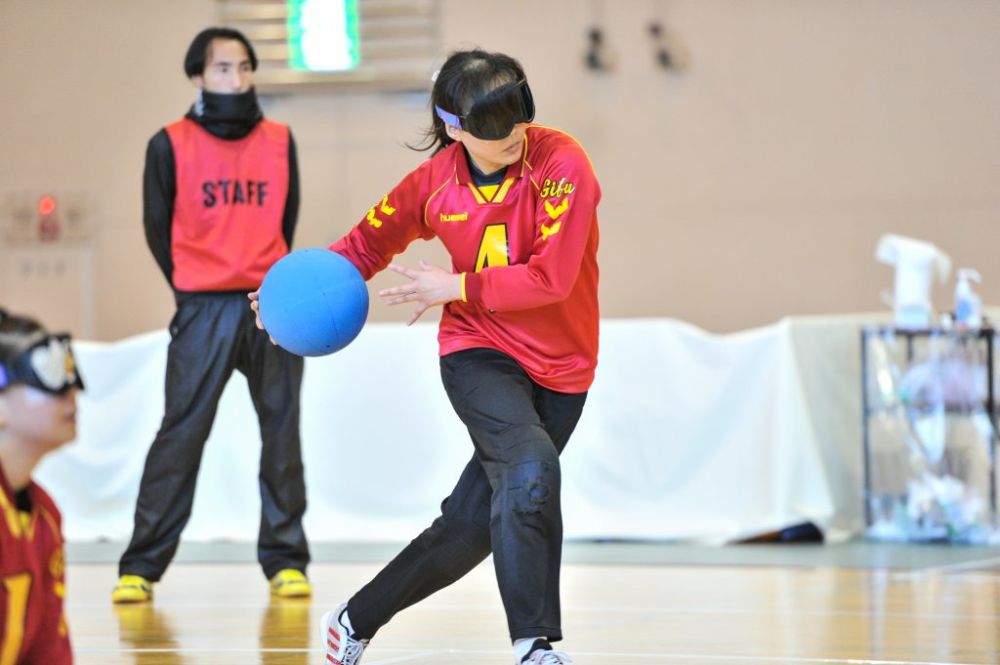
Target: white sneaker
<point>542,654</point>
<point>339,644</point>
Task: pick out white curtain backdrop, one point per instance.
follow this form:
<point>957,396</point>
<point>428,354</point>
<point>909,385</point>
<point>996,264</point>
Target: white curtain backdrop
<point>686,435</point>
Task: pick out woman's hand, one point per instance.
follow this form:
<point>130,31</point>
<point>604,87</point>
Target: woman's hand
<point>429,286</point>
<point>254,297</point>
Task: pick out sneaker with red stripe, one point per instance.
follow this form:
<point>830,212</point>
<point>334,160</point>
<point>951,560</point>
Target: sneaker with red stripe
<point>339,643</point>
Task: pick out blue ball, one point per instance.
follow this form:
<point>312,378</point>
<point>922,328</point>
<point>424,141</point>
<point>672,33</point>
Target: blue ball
<point>313,302</point>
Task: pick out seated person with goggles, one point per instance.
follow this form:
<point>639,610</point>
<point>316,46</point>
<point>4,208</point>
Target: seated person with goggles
<point>38,386</point>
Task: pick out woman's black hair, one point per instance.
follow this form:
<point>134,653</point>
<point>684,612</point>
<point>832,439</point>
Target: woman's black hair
<point>463,78</point>
<point>197,53</point>
<point>17,333</point>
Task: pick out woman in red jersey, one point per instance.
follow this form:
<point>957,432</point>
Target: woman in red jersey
<point>515,205</point>
<point>38,385</point>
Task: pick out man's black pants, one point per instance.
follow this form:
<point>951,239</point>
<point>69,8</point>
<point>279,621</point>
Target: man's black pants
<point>211,335</point>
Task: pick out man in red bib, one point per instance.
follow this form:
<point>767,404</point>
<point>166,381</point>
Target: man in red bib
<point>220,199</point>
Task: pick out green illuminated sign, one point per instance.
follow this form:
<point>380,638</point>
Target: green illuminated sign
<point>323,35</point>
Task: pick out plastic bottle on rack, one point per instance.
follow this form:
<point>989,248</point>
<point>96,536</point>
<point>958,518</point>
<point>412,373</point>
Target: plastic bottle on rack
<point>968,305</point>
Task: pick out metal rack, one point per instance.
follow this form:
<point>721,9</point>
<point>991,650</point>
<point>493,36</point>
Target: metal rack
<point>979,344</point>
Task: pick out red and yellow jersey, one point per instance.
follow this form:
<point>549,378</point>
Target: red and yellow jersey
<point>32,581</point>
<point>526,249</point>
<point>229,206</point>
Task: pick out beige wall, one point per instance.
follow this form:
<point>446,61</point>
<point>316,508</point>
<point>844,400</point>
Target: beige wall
<point>752,185</point>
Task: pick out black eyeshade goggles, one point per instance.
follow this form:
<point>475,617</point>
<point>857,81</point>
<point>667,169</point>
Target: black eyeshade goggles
<point>48,365</point>
<point>493,116</point>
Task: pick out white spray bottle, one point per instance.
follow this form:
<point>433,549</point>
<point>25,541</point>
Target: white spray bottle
<point>968,305</point>
<point>917,263</point>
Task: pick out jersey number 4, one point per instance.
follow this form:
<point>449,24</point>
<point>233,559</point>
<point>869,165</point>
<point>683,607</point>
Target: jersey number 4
<point>17,587</point>
<point>493,249</point>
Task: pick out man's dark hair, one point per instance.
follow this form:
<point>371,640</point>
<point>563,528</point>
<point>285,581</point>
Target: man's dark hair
<point>197,53</point>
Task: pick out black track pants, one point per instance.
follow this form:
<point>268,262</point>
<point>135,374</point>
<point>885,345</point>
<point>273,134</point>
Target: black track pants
<point>506,501</point>
<point>211,335</point>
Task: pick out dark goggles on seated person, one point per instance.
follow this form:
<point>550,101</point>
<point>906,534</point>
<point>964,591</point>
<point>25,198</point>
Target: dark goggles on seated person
<point>493,116</point>
<point>48,365</point>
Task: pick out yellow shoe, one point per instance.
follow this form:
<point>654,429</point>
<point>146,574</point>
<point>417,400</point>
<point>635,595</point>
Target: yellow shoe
<point>132,589</point>
<point>290,583</point>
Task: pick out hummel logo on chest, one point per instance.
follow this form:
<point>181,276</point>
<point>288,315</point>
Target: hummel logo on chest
<point>455,217</point>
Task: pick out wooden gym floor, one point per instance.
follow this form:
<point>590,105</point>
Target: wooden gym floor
<point>645,604</point>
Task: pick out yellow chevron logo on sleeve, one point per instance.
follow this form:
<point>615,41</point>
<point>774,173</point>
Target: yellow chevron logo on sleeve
<point>555,212</point>
<point>550,230</point>
<point>384,208</point>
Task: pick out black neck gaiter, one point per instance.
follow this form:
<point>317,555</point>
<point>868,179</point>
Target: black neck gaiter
<point>230,116</point>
